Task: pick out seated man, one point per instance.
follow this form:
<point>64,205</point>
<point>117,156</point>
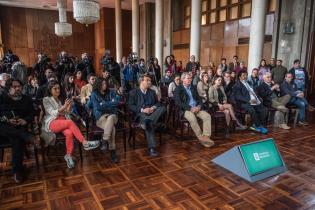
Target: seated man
<point>88,88</point>
<point>253,80</point>
<point>297,97</point>
<point>144,104</point>
<point>167,78</point>
<point>270,94</point>
<point>228,84</point>
<point>187,99</point>
<point>16,111</point>
<point>247,99</point>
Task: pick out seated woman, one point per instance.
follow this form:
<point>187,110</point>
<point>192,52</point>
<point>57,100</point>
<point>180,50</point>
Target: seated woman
<point>103,103</point>
<point>173,85</point>
<point>78,81</point>
<point>203,87</point>
<point>218,100</point>
<point>30,89</point>
<point>57,120</point>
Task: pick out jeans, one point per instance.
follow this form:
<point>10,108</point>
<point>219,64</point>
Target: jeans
<point>257,113</point>
<point>301,103</point>
<point>154,117</point>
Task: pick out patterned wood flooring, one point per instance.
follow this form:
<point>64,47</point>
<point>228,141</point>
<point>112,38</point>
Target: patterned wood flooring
<point>181,178</point>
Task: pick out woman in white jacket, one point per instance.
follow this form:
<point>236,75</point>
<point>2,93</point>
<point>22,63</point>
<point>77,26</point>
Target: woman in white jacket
<point>57,120</point>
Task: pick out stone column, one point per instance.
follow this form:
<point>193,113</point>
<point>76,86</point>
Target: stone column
<point>135,26</point>
<point>195,27</point>
<point>119,50</point>
<point>159,30</point>
<point>257,33</point>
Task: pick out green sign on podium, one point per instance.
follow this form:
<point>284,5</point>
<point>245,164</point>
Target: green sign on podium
<point>253,161</point>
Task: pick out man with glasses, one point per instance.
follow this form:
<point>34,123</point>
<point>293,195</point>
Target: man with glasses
<point>16,111</point>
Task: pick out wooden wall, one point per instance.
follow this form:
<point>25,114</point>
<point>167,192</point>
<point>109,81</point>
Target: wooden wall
<point>105,34</point>
<point>223,39</point>
<point>30,31</point>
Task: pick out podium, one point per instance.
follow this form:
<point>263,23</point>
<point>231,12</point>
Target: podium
<point>253,161</point>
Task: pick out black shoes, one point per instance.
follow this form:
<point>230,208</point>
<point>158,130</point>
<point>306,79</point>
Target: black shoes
<point>114,156</point>
<point>153,152</point>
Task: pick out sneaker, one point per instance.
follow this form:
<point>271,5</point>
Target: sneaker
<point>114,156</point>
<point>153,152</point>
<point>302,123</point>
<point>206,141</point>
<point>69,161</point>
<point>104,146</point>
<point>91,145</point>
<point>284,126</point>
<point>254,128</point>
<point>263,130</point>
<point>240,127</point>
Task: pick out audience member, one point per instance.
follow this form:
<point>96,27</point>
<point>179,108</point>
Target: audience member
<point>254,80</point>
<point>172,86</point>
<point>278,72</point>
<point>203,87</point>
<point>167,78</point>
<point>78,81</point>
<point>57,120</point>
<point>234,64</point>
<point>300,75</point>
<point>223,66</point>
<point>146,110</point>
<point>88,88</point>
<point>191,107</point>
<point>104,104</point>
<point>3,78</point>
<point>16,111</point>
<point>241,68</point>
<point>228,84</point>
<point>262,69</point>
<point>247,99</point>
<point>270,94</point>
<point>192,66</point>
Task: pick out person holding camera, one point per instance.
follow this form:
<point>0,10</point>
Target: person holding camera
<point>130,73</point>
<point>64,65</point>
<point>57,120</point>
<point>85,65</point>
<point>16,112</point>
<point>155,71</point>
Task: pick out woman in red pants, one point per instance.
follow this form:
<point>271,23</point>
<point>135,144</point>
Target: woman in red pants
<point>56,120</point>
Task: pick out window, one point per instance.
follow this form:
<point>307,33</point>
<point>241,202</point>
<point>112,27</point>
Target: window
<point>246,10</point>
<point>222,15</point>
<point>213,17</point>
<point>204,19</point>
<point>204,7</point>
<point>234,12</point>
<point>272,5</point>
<point>223,3</point>
<point>187,22</point>
<point>187,11</point>
<point>213,4</point>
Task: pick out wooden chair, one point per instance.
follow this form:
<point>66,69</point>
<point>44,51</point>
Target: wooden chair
<point>92,129</point>
<point>134,127</point>
<point>293,109</point>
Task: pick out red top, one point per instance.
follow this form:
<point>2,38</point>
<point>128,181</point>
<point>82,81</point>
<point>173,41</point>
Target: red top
<point>79,83</point>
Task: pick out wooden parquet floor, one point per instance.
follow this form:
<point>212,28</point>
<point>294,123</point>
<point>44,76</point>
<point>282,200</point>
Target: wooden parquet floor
<point>181,178</point>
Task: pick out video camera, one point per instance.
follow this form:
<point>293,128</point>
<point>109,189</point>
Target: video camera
<point>132,58</point>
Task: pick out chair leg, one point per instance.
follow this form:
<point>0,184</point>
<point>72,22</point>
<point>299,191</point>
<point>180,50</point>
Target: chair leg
<point>160,137</point>
<point>297,112</point>
<point>36,158</point>
<point>134,139</point>
<point>80,151</point>
<point>125,140</point>
<point>2,154</point>
<point>130,135</point>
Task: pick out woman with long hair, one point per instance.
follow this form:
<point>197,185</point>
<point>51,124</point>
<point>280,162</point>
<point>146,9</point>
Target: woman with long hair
<point>262,69</point>
<point>78,80</point>
<point>218,100</point>
<point>203,87</point>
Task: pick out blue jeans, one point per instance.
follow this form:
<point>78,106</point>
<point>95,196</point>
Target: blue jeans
<point>301,103</point>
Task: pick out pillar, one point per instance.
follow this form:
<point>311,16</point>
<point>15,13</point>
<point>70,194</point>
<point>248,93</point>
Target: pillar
<point>135,26</point>
<point>159,30</point>
<point>257,33</point>
<point>195,27</point>
<point>118,30</point>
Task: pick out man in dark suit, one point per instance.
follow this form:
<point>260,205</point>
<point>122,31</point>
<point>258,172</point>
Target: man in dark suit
<point>247,99</point>
<point>190,104</point>
<point>147,110</point>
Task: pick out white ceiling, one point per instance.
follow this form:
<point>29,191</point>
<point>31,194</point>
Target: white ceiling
<point>52,4</point>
